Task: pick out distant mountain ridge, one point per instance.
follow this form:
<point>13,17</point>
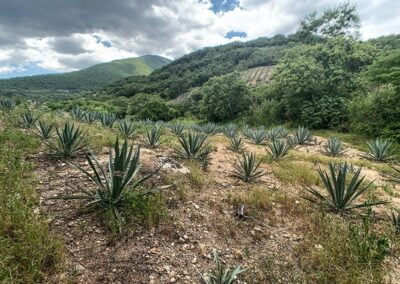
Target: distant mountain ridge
<point>90,78</point>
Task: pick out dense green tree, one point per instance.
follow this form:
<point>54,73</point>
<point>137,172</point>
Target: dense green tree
<point>312,76</point>
<point>375,107</point>
<point>225,98</point>
<point>339,21</point>
<point>147,106</point>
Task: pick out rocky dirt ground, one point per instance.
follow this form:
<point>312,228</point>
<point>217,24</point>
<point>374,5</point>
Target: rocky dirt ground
<point>199,221</point>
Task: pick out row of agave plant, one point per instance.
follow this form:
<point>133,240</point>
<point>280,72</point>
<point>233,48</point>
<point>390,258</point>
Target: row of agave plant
<point>193,145</point>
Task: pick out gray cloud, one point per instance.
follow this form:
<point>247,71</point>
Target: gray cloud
<point>170,28</point>
<point>68,45</point>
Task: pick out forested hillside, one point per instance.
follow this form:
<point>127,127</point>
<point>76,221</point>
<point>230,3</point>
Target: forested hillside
<point>87,79</point>
<point>325,77</point>
<point>196,68</point>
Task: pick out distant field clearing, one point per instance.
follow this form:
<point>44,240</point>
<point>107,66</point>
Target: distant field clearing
<point>257,75</point>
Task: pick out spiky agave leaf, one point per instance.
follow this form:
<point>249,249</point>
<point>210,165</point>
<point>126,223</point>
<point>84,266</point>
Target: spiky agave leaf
<point>222,274</point>
<point>236,144</point>
<point>380,150</point>
<point>246,168</point>
<point>258,136</point>
<point>126,128</point>
<point>44,129</point>
<point>341,194</point>
<point>177,128</point>
<point>107,119</point>
<point>277,149</point>
<point>247,132</point>
<point>153,135</point>
<point>210,129</point>
<point>193,146</point>
<point>70,140</point>
<point>273,134</point>
<point>333,147</point>
<point>302,136</point>
<point>283,132</point>
<point>77,113</point>
<point>28,119</point>
<point>229,130</point>
<point>112,185</point>
<point>7,104</point>
<point>90,117</point>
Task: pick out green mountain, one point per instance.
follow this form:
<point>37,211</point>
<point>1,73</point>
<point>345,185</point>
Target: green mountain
<point>194,69</point>
<point>90,78</point>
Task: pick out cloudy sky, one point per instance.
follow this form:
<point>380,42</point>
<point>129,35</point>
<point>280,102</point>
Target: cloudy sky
<point>47,36</point>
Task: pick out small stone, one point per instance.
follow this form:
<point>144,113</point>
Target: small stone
<point>237,253</point>
<point>155,251</point>
<point>172,280</point>
<point>186,237</point>
<point>79,269</point>
<point>202,248</point>
<point>172,274</point>
<point>194,260</point>
<point>196,206</point>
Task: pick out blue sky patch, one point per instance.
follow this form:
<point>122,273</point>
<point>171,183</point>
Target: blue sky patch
<point>232,34</point>
<point>29,70</point>
<point>220,6</point>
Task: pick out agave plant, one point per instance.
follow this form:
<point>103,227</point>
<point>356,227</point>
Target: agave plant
<point>107,119</point>
<point>153,135</point>
<point>380,150</point>
<point>126,128</point>
<point>193,146</point>
<point>210,129</point>
<point>70,140</point>
<point>302,136</point>
<point>113,185</point>
<point>230,130</point>
<point>44,129</point>
<point>77,113</point>
<point>177,128</point>
<point>273,134</point>
<point>283,132</point>
<point>341,194</point>
<point>246,168</point>
<point>333,147</point>
<point>247,132</point>
<point>222,274</point>
<point>278,149</point>
<point>28,119</point>
<point>236,144</point>
<point>90,117</point>
<point>7,104</point>
<point>258,136</point>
